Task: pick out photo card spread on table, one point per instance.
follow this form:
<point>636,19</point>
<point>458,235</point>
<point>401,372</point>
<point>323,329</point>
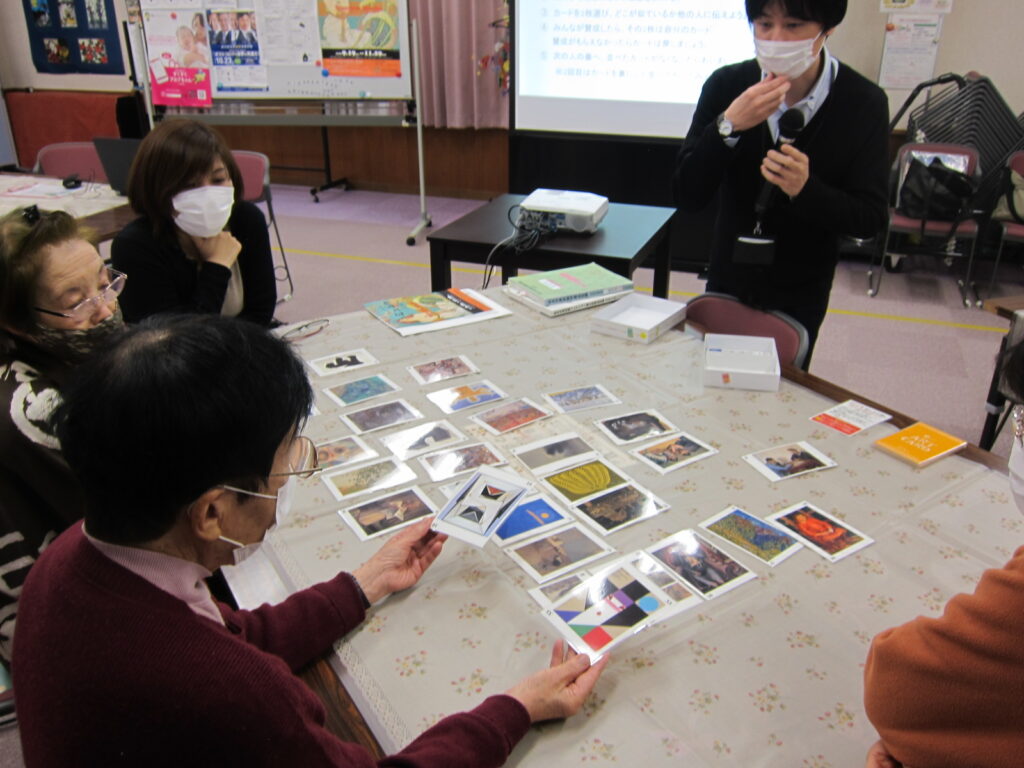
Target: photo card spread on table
<point>767,542</point>
<point>616,509</point>
<point>699,564</point>
<point>342,362</point>
<point>464,396</point>
<point>821,532</point>
<point>507,416</point>
<point>443,369</point>
<point>352,392</point>
<point>450,462</point>
<point>581,398</point>
<point>585,480</point>
<point>555,553</point>
<point>479,508</point>
<point>673,452</point>
<point>634,426</point>
<point>531,516</point>
<point>343,451</point>
<point>553,453</point>
<point>788,460</point>
<point>368,477</point>
<point>387,513</point>
<point>421,439</point>
<point>382,416</point>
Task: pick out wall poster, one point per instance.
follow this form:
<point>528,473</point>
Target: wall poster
<point>74,36</point>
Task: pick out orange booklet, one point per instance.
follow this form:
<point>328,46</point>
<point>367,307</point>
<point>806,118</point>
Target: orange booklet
<point>920,444</point>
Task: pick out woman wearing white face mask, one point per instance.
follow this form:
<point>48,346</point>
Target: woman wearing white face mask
<point>949,690</point>
<point>830,182</point>
<point>58,306</point>
<point>197,246</point>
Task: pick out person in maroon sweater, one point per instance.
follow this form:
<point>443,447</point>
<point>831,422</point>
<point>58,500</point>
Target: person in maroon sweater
<point>184,436</point>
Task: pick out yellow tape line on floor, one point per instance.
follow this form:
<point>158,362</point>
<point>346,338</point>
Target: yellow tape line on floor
<point>848,312</point>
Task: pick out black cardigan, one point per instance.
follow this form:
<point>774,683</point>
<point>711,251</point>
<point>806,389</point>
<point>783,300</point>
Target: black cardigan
<point>161,278</point>
<point>847,145</point>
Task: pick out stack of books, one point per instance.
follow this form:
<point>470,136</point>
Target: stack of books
<point>560,291</point>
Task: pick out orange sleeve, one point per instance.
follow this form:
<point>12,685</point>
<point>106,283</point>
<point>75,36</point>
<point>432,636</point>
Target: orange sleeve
<point>950,690</point>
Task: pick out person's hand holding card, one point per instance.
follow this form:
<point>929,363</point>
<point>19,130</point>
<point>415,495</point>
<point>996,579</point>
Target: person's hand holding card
<point>560,690</point>
<point>400,562</point>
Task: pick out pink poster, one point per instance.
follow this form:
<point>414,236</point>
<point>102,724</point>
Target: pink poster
<point>179,58</point>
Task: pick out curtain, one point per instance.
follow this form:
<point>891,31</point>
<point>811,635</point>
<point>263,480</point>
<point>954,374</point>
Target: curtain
<point>455,35</point>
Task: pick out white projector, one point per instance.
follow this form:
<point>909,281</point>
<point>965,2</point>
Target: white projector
<point>554,209</point>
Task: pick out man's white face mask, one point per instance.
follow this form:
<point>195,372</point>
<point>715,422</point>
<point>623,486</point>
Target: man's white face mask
<point>786,58</point>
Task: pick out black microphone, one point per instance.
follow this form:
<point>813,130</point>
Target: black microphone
<point>790,125</point>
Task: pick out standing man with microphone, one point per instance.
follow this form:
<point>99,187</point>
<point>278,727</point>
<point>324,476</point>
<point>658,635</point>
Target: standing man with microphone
<point>786,196</point>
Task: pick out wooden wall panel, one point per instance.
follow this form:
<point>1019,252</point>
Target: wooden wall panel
<point>458,163</point>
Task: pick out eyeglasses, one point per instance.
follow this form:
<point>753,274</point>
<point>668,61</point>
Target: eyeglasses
<point>303,459</point>
<point>304,331</point>
<point>1017,415</point>
<point>84,309</point>
<point>303,462</point>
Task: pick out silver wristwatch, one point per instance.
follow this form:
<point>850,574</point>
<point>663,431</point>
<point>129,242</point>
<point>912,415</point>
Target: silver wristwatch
<point>725,127</point>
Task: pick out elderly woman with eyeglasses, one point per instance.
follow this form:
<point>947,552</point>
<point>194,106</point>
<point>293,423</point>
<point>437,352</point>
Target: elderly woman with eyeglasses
<point>949,690</point>
<point>58,303</point>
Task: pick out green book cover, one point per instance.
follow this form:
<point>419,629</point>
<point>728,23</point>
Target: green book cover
<point>570,283</point>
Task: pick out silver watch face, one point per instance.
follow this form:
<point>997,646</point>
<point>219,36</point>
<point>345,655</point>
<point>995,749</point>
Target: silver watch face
<point>724,126</point>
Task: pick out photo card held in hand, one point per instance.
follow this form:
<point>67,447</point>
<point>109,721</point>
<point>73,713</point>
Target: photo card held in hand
<point>607,608</point>
<point>474,513</point>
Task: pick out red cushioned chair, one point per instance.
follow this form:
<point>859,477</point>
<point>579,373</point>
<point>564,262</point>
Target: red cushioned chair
<point>71,157</point>
<point>255,170</point>
<point>939,238</point>
<point>722,313</point>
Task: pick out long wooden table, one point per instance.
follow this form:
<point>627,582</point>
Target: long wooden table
<point>768,674</point>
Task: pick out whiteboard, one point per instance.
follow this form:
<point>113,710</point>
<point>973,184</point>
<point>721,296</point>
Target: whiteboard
<point>290,57</point>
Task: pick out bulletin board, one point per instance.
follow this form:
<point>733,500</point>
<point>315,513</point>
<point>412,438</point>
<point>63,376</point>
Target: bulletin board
<point>68,36</point>
<point>285,49</point>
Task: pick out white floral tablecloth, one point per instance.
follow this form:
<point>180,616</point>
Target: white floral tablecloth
<point>768,674</point>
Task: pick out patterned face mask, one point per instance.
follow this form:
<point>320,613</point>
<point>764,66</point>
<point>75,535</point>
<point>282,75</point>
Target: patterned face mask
<point>75,345</point>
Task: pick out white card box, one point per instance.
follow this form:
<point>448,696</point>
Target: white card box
<point>741,362</point>
<point>638,317</point>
